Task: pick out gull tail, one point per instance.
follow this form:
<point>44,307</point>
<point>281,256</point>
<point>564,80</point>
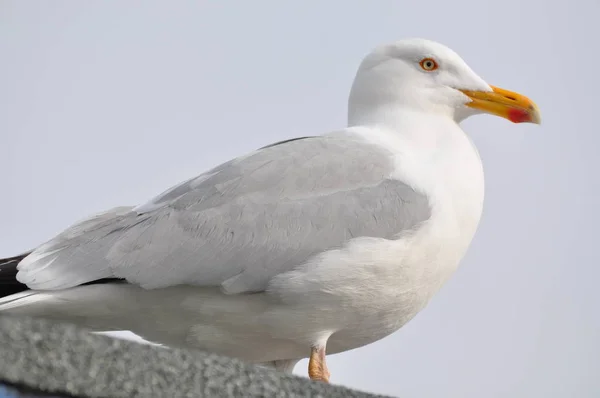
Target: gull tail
<point>8,275</point>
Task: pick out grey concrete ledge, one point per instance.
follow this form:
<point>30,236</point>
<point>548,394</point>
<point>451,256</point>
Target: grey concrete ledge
<point>68,361</point>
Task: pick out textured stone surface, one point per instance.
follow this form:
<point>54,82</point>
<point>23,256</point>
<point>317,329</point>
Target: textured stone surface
<point>63,359</point>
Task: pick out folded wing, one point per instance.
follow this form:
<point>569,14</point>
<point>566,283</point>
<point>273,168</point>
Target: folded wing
<point>241,223</point>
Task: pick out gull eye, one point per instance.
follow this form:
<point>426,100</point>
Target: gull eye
<point>428,64</point>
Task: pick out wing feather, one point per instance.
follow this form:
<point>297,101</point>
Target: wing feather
<point>243,222</point>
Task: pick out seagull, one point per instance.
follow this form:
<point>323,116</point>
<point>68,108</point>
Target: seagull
<point>306,247</point>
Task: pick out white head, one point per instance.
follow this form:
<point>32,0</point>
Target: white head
<point>425,76</point>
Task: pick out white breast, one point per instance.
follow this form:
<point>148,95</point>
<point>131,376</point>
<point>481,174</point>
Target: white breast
<point>440,161</point>
<point>373,286</point>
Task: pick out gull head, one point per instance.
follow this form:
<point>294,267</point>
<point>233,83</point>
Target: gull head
<point>424,76</point>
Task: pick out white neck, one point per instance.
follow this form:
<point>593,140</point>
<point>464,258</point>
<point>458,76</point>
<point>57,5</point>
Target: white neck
<point>411,129</point>
<point>433,155</point>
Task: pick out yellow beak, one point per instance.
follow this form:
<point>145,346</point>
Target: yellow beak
<point>512,106</point>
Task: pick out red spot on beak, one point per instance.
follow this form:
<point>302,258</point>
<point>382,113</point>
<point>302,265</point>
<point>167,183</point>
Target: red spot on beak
<point>518,115</point>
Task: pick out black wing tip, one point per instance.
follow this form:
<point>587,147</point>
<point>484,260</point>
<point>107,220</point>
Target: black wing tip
<point>8,275</point>
<point>10,285</point>
<point>14,260</point>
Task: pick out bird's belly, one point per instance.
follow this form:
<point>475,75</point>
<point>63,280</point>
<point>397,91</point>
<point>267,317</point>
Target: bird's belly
<point>383,287</point>
<point>396,300</point>
<point>372,287</point>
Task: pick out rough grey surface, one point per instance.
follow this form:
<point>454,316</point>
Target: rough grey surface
<point>61,358</point>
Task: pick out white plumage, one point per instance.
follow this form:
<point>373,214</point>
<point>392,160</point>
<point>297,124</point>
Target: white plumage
<point>331,241</point>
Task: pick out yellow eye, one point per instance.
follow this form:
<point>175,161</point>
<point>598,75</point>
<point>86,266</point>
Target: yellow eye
<point>428,64</point>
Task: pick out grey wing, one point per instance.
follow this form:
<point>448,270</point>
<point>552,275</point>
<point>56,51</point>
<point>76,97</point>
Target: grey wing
<point>246,221</point>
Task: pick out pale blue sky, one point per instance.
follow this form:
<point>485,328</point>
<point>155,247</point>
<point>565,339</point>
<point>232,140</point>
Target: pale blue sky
<point>109,103</point>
